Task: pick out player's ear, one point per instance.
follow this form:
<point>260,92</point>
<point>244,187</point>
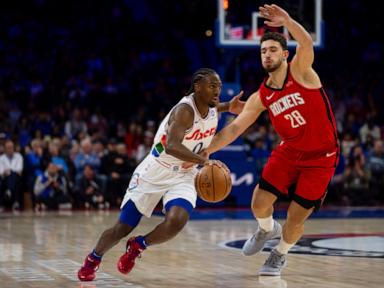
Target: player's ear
<point>285,54</point>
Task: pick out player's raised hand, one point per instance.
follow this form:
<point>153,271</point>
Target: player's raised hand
<point>236,105</point>
<point>275,15</point>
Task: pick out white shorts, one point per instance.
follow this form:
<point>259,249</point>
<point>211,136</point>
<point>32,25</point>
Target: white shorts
<point>152,181</point>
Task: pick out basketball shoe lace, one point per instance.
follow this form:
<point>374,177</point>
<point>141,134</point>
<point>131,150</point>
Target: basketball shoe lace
<point>134,252</point>
<point>275,259</point>
<point>133,248</point>
<point>273,265</point>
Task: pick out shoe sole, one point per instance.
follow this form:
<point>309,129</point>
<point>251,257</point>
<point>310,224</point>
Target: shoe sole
<point>269,274</point>
<point>86,279</point>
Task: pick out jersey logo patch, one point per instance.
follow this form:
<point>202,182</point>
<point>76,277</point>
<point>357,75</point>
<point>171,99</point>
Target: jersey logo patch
<point>270,96</point>
<point>330,154</point>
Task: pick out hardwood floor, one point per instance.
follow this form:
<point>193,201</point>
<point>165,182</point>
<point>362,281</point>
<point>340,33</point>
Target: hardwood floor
<point>46,250</point>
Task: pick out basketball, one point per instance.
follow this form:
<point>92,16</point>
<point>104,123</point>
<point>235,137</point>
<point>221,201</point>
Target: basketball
<point>213,182</point>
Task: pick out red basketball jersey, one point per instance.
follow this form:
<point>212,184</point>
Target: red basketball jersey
<point>302,117</point>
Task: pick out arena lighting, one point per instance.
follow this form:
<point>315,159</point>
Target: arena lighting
<point>225,4</point>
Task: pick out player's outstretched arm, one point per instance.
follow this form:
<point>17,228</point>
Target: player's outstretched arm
<point>234,106</point>
<point>276,17</point>
<point>180,120</point>
<point>252,109</point>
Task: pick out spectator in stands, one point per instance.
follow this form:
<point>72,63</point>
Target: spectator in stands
<point>375,166</point>
<point>133,138</point>
<point>89,189</point>
<point>369,129</point>
<point>119,169</point>
<point>11,168</point>
<point>75,125</point>
<point>347,143</point>
<point>144,148</point>
<point>335,192</point>
<point>51,189</point>
<point>57,159</point>
<point>86,156</point>
<point>34,165</point>
<point>356,178</point>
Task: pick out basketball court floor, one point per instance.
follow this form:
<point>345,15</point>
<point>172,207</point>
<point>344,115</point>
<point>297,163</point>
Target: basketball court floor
<point>46,250</point>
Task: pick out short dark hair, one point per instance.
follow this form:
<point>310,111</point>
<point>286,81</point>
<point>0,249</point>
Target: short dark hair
<point>276,37</point>
<point>198,75</point>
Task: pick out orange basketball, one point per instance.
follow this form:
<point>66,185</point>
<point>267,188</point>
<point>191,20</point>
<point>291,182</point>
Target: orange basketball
<point>213,183</point>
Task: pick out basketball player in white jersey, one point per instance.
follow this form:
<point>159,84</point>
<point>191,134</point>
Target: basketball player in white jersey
<point>166,173</point>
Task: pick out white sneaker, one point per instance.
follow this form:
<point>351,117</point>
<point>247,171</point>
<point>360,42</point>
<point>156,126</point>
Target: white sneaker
<point>257,241</point>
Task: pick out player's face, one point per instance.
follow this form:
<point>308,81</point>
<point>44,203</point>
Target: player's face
<point>272,55</point>
<point>210,89</point>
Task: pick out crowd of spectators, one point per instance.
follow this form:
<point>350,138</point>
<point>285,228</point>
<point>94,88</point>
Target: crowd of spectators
<point>84,85</point>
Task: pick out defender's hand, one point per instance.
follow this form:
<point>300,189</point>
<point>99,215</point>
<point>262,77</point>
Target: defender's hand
<point>236,105</point>
<point>275,15</point>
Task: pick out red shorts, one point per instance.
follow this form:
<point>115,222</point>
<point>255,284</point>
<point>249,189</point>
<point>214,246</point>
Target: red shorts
<point>309,172</point>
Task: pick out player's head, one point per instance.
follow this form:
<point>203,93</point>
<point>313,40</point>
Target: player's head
<point>274,50</point>
<point>206,85</point>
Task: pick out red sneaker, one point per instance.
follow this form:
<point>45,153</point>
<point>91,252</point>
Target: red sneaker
<point>88,271</point>
<point>127,261</point>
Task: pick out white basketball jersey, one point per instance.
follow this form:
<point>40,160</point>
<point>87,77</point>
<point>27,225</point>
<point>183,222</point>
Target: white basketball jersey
<point>198,137</point>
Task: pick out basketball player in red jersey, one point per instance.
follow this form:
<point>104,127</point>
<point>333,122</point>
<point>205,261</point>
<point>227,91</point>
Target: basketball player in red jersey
<point>301,114</point>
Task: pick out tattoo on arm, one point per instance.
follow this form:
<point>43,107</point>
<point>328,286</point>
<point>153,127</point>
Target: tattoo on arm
<point>234,130</point>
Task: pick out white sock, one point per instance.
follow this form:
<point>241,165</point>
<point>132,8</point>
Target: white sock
<point>266,223</point>
<point>283,247</point>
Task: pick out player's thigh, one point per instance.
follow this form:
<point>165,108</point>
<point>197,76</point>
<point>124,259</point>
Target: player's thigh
<point>313,182</point>
<point>182,194</point>
<point>278,174</point>
<point>148,184</point>
<point>312,186</point>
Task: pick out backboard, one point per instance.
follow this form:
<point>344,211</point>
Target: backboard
<point>239,24</point>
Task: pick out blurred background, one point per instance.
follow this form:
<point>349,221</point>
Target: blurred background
<point>85,84</point>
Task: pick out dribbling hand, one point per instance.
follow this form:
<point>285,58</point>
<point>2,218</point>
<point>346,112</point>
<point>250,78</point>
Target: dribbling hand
<point>218,163</point>
<point>187,165</point>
